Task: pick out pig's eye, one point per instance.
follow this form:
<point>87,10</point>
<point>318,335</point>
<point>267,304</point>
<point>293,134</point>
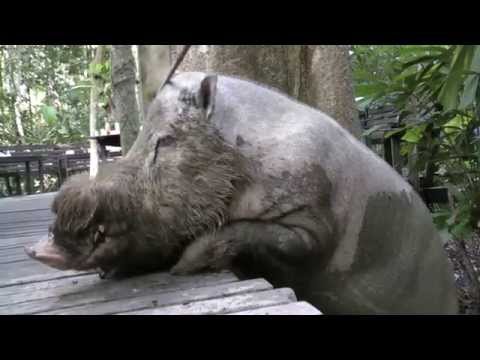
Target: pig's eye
<point>99,237</point>
<point>165,141</point>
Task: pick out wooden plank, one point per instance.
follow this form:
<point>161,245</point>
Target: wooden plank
<point>296,308</point>
<point>13,231</point>
<point>20,225</point>
<point>41,290</point>
<point>25,268</point>
<point>10,231</point>
<point>25,217</point>
<point>86,291</point>
<point>22,234</point>
<point>76,283</point>
<point>30,202</point>
<point>13,259</point>
<point>10,218</point>
<point>14,251</point>
<point>11,242</point>
<point>29,198</point>
<point>23,206</point>
<point>39,278</point>
<point>224,305</point>
<point>154,299</point>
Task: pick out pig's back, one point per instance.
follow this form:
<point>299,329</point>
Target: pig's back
<point>376,210</point>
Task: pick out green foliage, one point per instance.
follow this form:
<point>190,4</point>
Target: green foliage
<point>439,85</point>
<point>49,114</point>
<point>49,87</point>
<point>414,134</point>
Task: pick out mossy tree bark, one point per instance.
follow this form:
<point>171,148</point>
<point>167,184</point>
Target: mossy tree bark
<point>125,107</point>
<point>327,83</point>
<point>318,75</point>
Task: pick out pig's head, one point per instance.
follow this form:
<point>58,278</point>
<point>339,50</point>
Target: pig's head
<point>89,215</point>
<point>175,183</point>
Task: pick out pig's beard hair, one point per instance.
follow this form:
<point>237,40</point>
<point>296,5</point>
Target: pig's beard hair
<point>167,206</point>
<point>200,189</point>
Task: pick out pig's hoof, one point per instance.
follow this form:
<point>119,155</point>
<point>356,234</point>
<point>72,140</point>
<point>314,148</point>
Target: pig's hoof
<point>180,270</point>
<point>106,274</point>
<point>177,271</point>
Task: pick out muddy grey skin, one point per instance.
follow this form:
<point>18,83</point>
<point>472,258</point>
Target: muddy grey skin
<point>228,174</point>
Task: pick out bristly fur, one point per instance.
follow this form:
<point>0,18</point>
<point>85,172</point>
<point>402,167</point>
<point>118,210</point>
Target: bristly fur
<point>159,209</point>
<point>199,190</point>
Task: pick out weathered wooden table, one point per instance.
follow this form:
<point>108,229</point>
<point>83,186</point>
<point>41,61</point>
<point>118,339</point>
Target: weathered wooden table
<point>28,287</point>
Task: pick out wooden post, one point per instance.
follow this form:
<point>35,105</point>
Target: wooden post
<point>28,175</point>
<point>392,153</point>
<point>103,153</point>
<point>18,184</point>
<point>65,157</point>
<point>9,187</point>
<point>60,171</point>
<point>40,175</point>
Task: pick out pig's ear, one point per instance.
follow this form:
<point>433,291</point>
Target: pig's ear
<point>207,93</point>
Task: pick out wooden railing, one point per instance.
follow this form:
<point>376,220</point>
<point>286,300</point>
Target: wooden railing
<point>26,163</point>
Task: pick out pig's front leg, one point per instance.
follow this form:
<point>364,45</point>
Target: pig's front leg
<point>252,249</point>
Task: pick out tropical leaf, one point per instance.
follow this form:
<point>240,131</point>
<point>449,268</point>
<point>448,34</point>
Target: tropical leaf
<point>475,65</point>
<point>414,134</point>
<point>49,114</point>
<point>78,87</point>
<point>409,50</point>
<point>406,148</point>
<point>393,132</point>
<point>469,92</point>
<point>419,60</point>
<point>461,61</point>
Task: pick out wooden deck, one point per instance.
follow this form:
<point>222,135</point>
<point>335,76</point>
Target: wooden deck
<point>28,287</point>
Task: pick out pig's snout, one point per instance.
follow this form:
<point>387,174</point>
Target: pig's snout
<point>48,253</point>
<point>30,250</point>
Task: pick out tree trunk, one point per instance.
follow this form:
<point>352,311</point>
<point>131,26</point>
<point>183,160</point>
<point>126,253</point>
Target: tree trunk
<point>1,79</point>
<point>327,83</point>
<point>154,63</point>
<point>2,92</point>
<point>138,84</point>
<point>320,76</point>
<point>14,89</point>
<point>272,65</point>
<point>125,108</point>
<point>96,83</point>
